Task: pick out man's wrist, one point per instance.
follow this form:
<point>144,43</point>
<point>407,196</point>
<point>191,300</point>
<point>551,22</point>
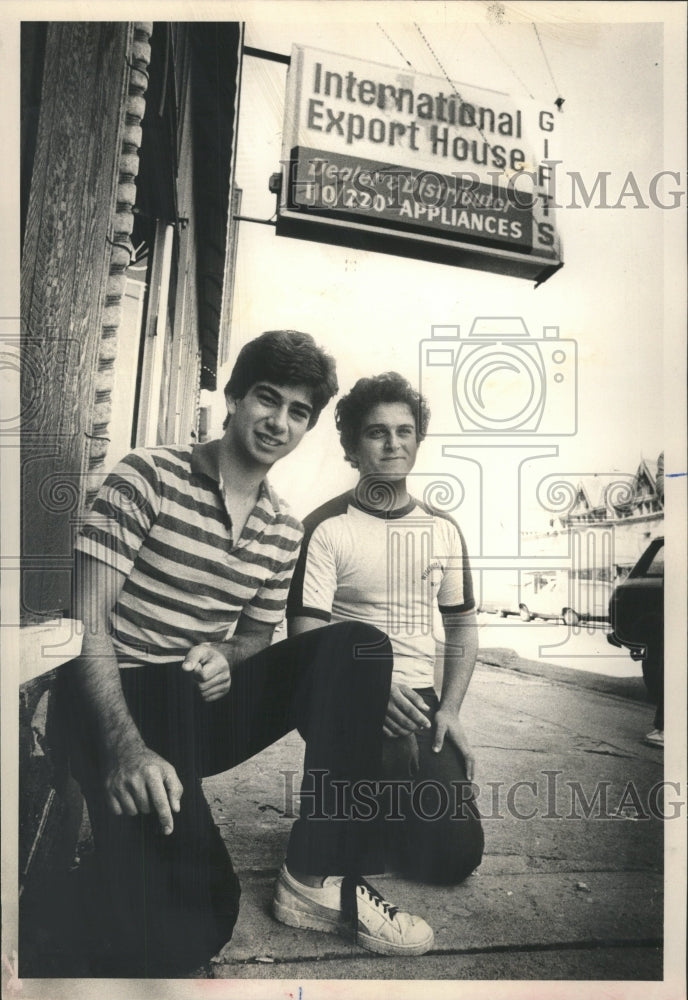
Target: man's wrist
<point>228,650</point>
<point>449,708</point>
<point>123,740</point>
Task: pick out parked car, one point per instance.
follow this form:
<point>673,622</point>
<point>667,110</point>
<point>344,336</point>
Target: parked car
<point>566,598</point>
<point>499,594</point>
<point>552,595</point>
<point>636,609</point>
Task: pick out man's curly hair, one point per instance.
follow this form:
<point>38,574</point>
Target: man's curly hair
<point>389,387</point>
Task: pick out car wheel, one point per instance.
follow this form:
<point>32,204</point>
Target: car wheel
<point>570,617</point>
<point>524,614</point>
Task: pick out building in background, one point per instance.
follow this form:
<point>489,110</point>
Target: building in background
<point>633,509</point>
<point>597,526</point>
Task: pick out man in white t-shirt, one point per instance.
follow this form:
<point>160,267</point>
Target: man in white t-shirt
<point>379,556</point>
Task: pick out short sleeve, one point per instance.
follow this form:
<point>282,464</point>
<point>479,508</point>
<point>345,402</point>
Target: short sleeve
<point>455,593</point>
<point>122,513</point>
<point>269,602</point>
<point>315,579</point>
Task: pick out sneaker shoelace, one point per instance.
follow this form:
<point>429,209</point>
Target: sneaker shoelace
<point>350,885</point>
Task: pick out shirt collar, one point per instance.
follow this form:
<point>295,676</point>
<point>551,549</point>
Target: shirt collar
<point>385,515</point>
<point>268,499</point>
<point>205,461</point>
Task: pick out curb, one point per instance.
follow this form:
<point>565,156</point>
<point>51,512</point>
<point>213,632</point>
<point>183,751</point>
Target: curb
<point>631,688</point>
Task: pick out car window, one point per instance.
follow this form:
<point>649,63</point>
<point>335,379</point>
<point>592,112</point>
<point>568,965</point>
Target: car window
<point>656,567</point>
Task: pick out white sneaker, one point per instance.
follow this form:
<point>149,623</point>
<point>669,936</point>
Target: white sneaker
<point>655,738</point>
<point>352,908</point>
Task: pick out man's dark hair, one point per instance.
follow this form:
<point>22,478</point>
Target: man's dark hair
<point>390,387</point>
<point>285,357</point>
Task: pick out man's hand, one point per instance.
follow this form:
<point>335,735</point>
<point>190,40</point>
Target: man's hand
<point>447,724</point>
<point>139,781</point>
<point>210,668</point>
<point>405,712</point>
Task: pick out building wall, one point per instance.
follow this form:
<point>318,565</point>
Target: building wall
<point>74,255</point>
<point>599,546</point>
<point>128,144</point>
<point>184,369</point>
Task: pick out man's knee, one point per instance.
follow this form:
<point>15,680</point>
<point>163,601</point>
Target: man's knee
<point>355,652</point>
<point>451,856</point>
<point>365,641</point>
<point>467,836</point>
<point>446,849</point>
<point>465,852</point>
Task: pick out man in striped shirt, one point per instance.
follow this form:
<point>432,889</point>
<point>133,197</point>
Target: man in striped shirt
<point>184,565</point>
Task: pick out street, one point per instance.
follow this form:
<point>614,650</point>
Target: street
<point>571,882</point>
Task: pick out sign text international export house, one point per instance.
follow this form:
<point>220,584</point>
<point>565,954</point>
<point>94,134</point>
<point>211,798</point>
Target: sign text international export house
<point>387,159</point>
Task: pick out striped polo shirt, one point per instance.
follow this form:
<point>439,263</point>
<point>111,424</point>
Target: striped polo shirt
<point>392,569</point>
<point>160,519</point>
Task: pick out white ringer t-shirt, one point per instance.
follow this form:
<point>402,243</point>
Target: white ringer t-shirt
<point>390,569</point>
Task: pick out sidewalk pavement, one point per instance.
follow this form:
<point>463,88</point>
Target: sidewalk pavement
<point>571,885</point>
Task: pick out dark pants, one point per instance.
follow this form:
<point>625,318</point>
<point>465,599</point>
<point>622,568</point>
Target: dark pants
<point>172,902</point>
<point>440,838</point>
<point>653,675</point>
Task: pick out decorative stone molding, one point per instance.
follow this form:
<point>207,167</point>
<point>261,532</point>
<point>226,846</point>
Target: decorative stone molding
<point>120,245</point>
